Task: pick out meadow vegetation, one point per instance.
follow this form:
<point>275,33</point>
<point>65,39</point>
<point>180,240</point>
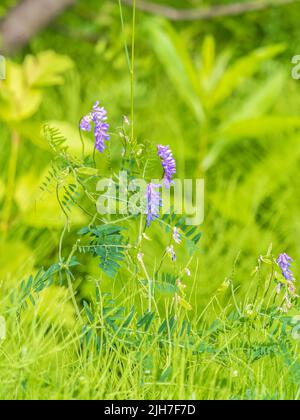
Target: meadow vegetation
<point>97,307</point>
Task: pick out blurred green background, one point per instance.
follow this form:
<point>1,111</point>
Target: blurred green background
<point>219,92</point>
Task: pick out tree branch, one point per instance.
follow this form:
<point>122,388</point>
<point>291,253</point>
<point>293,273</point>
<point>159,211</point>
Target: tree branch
<point>209,12</point>
<point>27,19</point>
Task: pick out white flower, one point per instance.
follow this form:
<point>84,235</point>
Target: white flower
<point>176,236</point>
<point>187,272</point>
<point>170,251</point>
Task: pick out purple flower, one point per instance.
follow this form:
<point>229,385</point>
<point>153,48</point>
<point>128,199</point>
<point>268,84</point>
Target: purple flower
<point>168,163</point>
<point>154,202</point>
<point>98,116</point>
<point>284,262</point>
<point>85,123</point>
<point>101,134</point>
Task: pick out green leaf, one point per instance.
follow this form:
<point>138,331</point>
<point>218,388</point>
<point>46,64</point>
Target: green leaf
<point>172,53</point>
<point>88,171</point>
<point>243,69</point>
<point>107,243</point>
<point>260,126</point>
<point>46,69</point>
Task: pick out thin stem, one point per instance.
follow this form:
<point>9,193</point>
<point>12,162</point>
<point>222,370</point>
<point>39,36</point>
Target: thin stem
<point>82,142</point>
<point>68,273</point>
<point>132,70</point>
<point>11,178</point>
<point>234,299</point>
<point>140,259</point>
<point>73,298</point>
<point>123,33</point>
<point>94,157</point>
<point>61,241</point>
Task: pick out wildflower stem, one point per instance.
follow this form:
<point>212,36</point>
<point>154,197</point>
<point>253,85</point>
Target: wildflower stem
<point>234,299</point>
<point>140,259</point>
<point>61,242</point>
<point>133,67</point>
<point>123,33</point>
<point>73,298</point>
<point>82,143</point>
<point>94,157</point>
<point>11,177</point>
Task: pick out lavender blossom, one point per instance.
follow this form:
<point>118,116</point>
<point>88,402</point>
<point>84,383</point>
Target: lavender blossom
<point>284,262</point>
<point>168,163</point>
<point>154,202</point>
<point>98,116</point>
<point>85,123</point>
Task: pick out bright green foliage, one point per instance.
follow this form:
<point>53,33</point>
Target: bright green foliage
<point>229,109</point>
<point>21,92</point>
<point>191,234</point>
<point>107,243</point>
<point>231,352</point>
<point>209,88</point>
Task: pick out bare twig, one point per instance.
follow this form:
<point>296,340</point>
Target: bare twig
<point>27,19</point>
<point>234,9</point>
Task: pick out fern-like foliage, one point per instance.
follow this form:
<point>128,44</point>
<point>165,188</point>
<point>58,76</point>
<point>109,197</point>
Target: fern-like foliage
<point>164,283</point>
<point>70,196</point>
<point>55,139</point>
<point>108,321</point>
<point>34,285</point>
<point>191,234</point>
<point>107,243</point>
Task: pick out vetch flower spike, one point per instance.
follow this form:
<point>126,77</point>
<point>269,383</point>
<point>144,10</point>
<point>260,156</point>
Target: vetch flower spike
<point>154,202</point>
<point>284,262</point>
<point>98,116</point>
<point>168,163</point>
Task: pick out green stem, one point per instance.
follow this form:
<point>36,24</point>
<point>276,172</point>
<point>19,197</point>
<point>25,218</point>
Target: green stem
<point>11,179</point>
<point>140,259</point>
<point>73,298</point>
<point>82,143</point>
<point>123,33</point>
<point>69,280</point>
<point>133,67</point>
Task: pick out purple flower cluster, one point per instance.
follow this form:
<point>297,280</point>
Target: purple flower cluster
<point>153,196</point>
<point>154,202</point>
<point>284,262</point>
<point>168,163</point>
<point>98,116</point>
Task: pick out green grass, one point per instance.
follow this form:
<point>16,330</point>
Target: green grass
<point>227,351</point>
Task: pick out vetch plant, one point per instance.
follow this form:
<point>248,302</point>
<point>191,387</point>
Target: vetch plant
<point>118,242</point>
<point>98,116</point>
<point>168,163</point>
<point>136,195</point>
<point>288,282</point>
